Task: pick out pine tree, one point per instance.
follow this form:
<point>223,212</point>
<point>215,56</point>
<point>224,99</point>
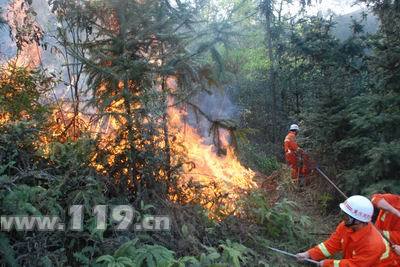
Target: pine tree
<point>132,52</point>
<point>374,116</point>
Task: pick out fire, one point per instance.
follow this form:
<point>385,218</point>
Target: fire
<point>213,180</point>
<point>26,32</point>
<point>222,179</point>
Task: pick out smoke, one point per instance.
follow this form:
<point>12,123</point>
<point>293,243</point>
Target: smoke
<point>44,55</point>
<point>213,108</point>
<point>8,48</point>
<point>208,109</point>
<point>216,104</point>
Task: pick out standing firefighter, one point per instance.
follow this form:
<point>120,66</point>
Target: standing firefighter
<point>359,241</point>
<point>293,153</point>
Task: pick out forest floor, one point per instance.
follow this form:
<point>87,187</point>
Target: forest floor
<point>309,201</point>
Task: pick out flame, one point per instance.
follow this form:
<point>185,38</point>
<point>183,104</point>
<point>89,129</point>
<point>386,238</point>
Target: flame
<point>222,179</point>
<point>212,180</point>
<point>26,32</point>
<point>215,181</point>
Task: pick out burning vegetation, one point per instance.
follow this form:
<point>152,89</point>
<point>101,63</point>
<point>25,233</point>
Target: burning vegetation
<point>122,107</point>
<point>143,139</point>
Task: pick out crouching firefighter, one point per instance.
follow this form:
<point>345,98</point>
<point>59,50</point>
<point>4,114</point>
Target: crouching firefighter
<point>295,156</point>
<point>360,242</point>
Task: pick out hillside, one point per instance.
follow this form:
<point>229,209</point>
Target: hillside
<point>342,28</point>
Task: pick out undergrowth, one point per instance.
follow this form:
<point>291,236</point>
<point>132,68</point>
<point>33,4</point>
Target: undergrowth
<point>32,183</point>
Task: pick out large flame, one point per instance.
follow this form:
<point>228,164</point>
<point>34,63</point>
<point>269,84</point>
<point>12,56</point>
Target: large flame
<point>210,179</point>
<point>222,178</point>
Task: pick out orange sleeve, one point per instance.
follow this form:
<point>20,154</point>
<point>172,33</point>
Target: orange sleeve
<point>329,247</point>
<point>363,257</point>
<point>390,198</point>
<point>393,236</point>
<point>376,198</point>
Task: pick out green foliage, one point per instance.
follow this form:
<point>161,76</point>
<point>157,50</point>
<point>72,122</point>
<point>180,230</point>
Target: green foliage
<point>17,147</point>
<point>345,94</point>
<point>32,184</point>
<point>7,252</point>
<point>278,221</point>
<point>228,254</point>
<point>111,261</point>
<point>73,155</point>
<point>256,158</point>
<point>144,255</point>
<point>325,202</point>
<point>85,257</point>
<point>211,256</point>
<point>388,186</point>
<point>131,87</point>
<point>235,254</point>
<point>20,90</point>
<point>29,200</point>
<point>369,152</point>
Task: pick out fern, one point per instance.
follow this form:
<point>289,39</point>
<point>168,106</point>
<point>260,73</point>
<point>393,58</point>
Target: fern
<point>211,257</point>
<point>6,251</point>
<point>279,220</point>
<point>152,256</point>
<point>111,261</point>
<point>144,255</point>
<point>32,200</point>
<point>126,249</point>
<point>235,254</point>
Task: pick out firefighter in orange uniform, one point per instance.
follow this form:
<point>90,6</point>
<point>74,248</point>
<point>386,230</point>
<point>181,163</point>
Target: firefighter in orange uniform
<point>388,220</point>
<point>292,152</point>
<point>359,241</point>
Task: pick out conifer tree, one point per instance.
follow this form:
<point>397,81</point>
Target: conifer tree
<point>134,48</point>
<point>374,137</point>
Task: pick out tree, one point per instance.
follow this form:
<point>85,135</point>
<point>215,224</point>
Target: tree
<point>372,136</point>
<point>129,57</point>
<point>267,7</point>
<point>20,92</point>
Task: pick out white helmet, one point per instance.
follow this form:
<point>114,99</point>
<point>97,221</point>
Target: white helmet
<point>358,207</point>
<point>294,127</point>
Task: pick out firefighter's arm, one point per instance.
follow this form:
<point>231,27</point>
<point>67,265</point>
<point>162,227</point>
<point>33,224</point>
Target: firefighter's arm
<point>362,257</point>
<point>381,201</point>
<point>329,247</point>
<point>293,146</point>
<point>393,236</point>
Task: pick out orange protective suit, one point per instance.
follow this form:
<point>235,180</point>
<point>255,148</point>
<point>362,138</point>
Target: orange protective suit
<point>387,222</point>
<point>291,154</point>
<point>362,248</point>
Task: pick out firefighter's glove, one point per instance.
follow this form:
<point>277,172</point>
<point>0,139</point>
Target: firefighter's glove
<point>396,249</point>
<point>302,256</point>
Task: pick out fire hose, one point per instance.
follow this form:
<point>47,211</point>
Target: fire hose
<point>330,181</point>
<point>345,196</point>
<point>291,255</point>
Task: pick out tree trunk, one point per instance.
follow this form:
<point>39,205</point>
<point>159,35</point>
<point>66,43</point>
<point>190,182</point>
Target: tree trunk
<point>271,74</point>
<point>166,134</point>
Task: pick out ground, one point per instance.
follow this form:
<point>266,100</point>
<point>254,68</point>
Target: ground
<point>309,201</point>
